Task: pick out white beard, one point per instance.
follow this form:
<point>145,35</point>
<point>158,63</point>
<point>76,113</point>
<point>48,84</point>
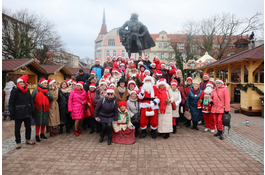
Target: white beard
<point>116,77</point>
<point>148,87</point>
<point>133,75</point>
<point>208,90</point>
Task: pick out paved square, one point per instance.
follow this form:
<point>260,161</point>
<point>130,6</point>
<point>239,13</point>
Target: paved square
<point>187,152</point>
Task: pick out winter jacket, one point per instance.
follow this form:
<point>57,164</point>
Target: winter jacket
<point>99,94</point>
<point>138,80</point>
<point>158,64</point>
<point>107,110</point>
<point>221,100</point>
<point>75,105</point>
<point>90,99</point>
<point>63,107</point>
<point>133,106</point>
<point>20,104</point>
<point>88,82</point>
<point>165,75</point>
<point>147,64</point>
<point>82,77</point>
<point>204,83</point>
<point>8,89</point>
<point>175,97</point>
<point>191,103</point>
<point>41,117</point>
<point>108,64</point>
<point>182,92</point>
<point>124,96</point>
<point>98,69</point>
<point>54,115</point>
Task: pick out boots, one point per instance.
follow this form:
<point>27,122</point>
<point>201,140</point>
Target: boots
<point>109,140</point>
<point>37,139</point>
<point>175,129</point>
<point>143,135</point>
<point>67,128</point>
<point>153,134</point>
<point>221,135</point>
<point>217,134</point>
<point>18,145</point>
<point>29,142</point>
<point>61,129</point>
<point>194,125</point>
<point>166,136</point>
<point>188,123</point>
<point>43,136</point>
<point>101,137</point>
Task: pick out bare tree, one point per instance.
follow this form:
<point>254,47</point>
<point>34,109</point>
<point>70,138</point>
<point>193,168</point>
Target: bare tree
<point>88,61</point>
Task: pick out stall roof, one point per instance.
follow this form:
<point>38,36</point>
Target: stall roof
<point>15,64</point>
<point>256,53</point>
<point>53,69</point>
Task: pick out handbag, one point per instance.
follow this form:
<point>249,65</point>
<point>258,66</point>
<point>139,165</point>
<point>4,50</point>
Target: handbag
<point>187,115</point>
<point>174,106</point>
<point>87,112</point>
<point>149,112</point>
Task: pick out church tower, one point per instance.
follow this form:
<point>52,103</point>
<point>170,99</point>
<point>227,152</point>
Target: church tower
<point>103,26</point>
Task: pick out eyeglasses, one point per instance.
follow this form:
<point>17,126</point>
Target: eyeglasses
<point>109,93</point>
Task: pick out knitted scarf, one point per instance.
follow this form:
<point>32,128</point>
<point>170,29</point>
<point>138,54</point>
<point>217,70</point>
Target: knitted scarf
<point>41,100</point>
<point>126,116</point>
<point>163,98</point>
<point>22,89</point>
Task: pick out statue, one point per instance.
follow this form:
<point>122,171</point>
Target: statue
<point>136,38</point>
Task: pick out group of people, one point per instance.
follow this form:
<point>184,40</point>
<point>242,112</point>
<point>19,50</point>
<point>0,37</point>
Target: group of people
<point>117,100</point>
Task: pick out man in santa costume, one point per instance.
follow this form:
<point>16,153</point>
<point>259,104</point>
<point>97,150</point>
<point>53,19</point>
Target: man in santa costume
<point>149,105</point>
<point>116,76</point>
<point>204,104</point>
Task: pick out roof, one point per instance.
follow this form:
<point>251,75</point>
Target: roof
<point>256,53</point>
<point>205,57</point>
<point>15,64</point>
<point>73,71</point>
<point>53,69</point>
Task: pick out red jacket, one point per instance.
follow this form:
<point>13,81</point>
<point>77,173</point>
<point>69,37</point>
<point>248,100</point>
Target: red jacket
<point>204,103</point>
<point>182,93</point>
<point>90,99</point>
<point>221,100</point>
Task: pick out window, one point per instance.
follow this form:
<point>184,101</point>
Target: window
<point>165,45</point>
<point>184,56</point>
<point>101,36</point>
<point>181,46</point>
<point>162,37</point>
<point>98,44</point>
<point>111,42</point>
<point>107,53</point>
<point>148,55</point>
<point>98,54</point>
<point>117,32</point>
<point>169,55</point>
<point>162,56</point>
<point>154,54</point>
<point>160,45</point>
<point>123,53</point>
<point>114,53</point>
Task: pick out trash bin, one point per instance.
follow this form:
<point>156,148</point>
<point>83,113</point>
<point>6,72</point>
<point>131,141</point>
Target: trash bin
<point>262,110</point>
<point>237,95</point>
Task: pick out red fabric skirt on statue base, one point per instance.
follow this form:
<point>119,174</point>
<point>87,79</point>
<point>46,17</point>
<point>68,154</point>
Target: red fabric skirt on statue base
<point>124,137</point>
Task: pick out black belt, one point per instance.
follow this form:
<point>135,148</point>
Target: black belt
<point>148,99</point>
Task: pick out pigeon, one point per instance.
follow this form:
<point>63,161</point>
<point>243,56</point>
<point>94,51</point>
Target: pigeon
<point>247,122</point>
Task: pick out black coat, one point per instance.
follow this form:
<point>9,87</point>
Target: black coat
<point>63,107</point>
<point>20,104</point>
<point>147,63</point>
<point>82,77</point>
<point>165,75</point>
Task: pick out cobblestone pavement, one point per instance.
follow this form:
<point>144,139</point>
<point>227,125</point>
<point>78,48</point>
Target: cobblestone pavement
<point>187,152</point>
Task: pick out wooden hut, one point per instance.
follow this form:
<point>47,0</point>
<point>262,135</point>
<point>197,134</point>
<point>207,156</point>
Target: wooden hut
<point>57,72</point>
<point>242,72</point>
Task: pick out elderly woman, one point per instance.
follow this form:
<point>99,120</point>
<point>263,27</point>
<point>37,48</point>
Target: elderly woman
<point>9,86</point>
<point>106,112</point>
<point>191,102</point>
<point>132,86</point>
<point>120,92</point>
<point>116,76</point>
<point>133,106</point>
<point>220,101</point>
<point>165,109</point>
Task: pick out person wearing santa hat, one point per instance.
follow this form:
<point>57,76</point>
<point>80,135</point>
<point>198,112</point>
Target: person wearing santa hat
<point>158,75</point>
<point>133,107</point>
<point>42,98</point>
<point>132,75</point>
<point>114,59</point>
<point>131,65</point>
<point>165,73</point>
<point>175,97</point>
<point>165,109</point>
<point>132,86</point>
<point>108,63</point>
<point>73,85</point>
<point>116,76</point>
<point>106,112</point>
<point>188,87</point>
<point>92,79</point>
<point>152,68</point>
<point>146,62</point>
<point>112,85</point>
<point>21,108</point>
<point>220,101</point>
<point>99,70</point>
<point>205,106</point>
<point>65,118</point>
<point>91,104</point>
<point>106,76</point>
<point>173,69</point>
<point>76,105</point>
<point>141,75</point>
<point>122,68</point>
<point>137,61</point>
<point>117,63</point>
<point>191,103</point>
<point>157,62</point>
<point>149,105</point>
<point>123,128</point>
<point>139,64</point>
<point>54,115</point>
<point>69,82</point>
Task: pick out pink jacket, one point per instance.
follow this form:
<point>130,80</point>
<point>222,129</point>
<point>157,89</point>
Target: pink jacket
<point>75,105</point>
<point>221,103</point>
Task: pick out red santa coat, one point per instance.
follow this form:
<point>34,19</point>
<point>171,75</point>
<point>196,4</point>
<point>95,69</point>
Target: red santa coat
<point>147,103</point>
<point>204,102</point>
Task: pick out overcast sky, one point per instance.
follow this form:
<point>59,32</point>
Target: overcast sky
<point>79,21</point>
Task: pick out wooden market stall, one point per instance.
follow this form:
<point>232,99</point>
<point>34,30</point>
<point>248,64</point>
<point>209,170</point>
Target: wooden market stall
<point>244,74</point>
<point>17,67</point>
<point>57,72</point>
<point>74,71</point>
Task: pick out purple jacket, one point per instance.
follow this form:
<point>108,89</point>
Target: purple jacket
<point>204,83</point>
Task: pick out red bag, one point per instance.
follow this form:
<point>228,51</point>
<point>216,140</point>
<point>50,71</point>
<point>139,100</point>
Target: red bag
<point>174,106</point>
<point>87,112</point>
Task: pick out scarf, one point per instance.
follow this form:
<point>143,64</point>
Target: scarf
<point>121,90</point>
<point>22,89</point>
<point>41,100</point>
<point>189,86</point>
<point>106,75</point>
<point>66,90</point>
<point>141,73</point>
<point>126,116</point>
<point>195,92</point>
<point>163,98</point>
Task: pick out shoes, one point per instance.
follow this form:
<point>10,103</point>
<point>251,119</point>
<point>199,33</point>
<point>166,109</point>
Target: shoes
<point>174,129</point>
<point>42,136</point>
<point>52,134</point>
<point>37,139</point>
<point>135,134</point>
<point>153,134</point>
<point>18,145</point>
<point>92,131</point>
<point>79,131</point>
<point>217,134</point>
<point>166,136</point>
<point>202,123</point>
<point>61,130</point>
<point>212,130</point>
<point>109,141</point>
<point>29,142</point>
<point>188,123</point>
<point>143,135</point>
<point>206,129</point>
<point>76,133</point>
<point>221,135</point>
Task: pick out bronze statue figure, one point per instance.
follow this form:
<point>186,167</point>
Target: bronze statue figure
<point>136,38</point>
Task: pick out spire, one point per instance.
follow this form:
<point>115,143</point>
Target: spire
<point>103,29</point>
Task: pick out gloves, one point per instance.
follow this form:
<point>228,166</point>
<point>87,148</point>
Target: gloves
<point>46,94</point>
<point>137,76</point>
<point>128,76</point>
<point>154,102</point>
<point>211,102</point>
<point>200,101</point>
<point>226,112</point>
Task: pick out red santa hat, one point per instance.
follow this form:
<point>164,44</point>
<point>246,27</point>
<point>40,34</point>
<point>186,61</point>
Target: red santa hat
<point>146,56</point>
<point>80,83</point>
<point>43,81</point>
<point>209,84</point>
<point>159,73</point>
<point>74,82</point>
<point>152,64</point>
<point>130,61</point>
<point>161,81</point>
<point>146,70</point>
<point>133,91</point>
<point>68,80</point>
<point>106,69</point>
<point>50,81</point>
<point>122,64</point>
<point>149,78</point>
<point>220,81</point>
<point>115,70</point>
<point>110,90</point>
<point>23,78</point>
<point>131,58</point>
<point>93,72</point>
<point>163,64</point>
<point>172,62</point>
<point>112,85</point>
<point>131,82</point>
<point>189,79</point>
<point>92,85</point>
<point>206,75</point>
<point>141,63</point>
<point>103,82</point>
<point>97,59</point>
<point>122,103</point>
<point>174,83</point>
<point>118,56</point>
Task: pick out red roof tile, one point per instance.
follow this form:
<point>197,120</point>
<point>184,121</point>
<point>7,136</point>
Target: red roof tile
<point>52,69</point>
<point>73,71</point>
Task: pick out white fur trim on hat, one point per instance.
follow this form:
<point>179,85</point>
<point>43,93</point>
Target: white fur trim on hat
<point>161,83</point>
<point>51,82</point>
<point>92,86</point>
<point>174,83</point>
<point>112,84</point>
<point>131,82</point>
<point>206,75</point>
<point>69,81</point>
<point>152,64</point>
<point>110,91</point>
<point>219,80</point>
<point>122,64</point>
<point>100,83</point>
<point>79,84</point>
<point>44,81</point>
<point>209,84</point>
<point>133,91</point>
<point>146,70</point>
<point>163,64</point>
<point>150,78</point>
<point>18,80</point>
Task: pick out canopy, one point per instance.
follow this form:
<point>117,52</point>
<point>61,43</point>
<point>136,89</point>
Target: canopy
<point>204,60</point>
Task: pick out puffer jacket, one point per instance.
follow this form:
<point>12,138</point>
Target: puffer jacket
<point>63,107</point>
<point>75,105</point>
<point>221,100</point>
<point>133,106</point>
